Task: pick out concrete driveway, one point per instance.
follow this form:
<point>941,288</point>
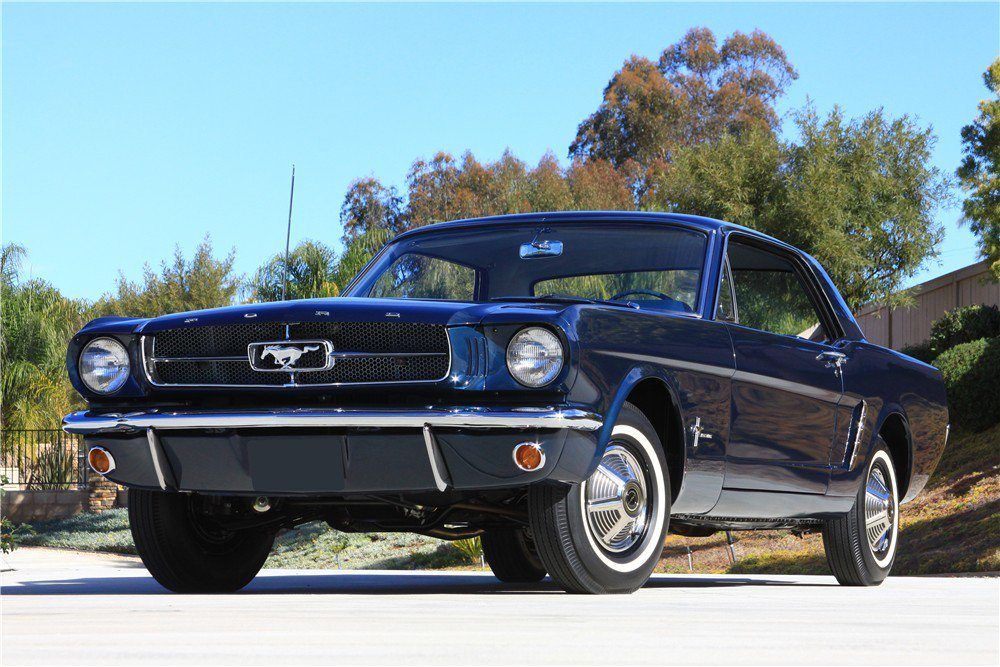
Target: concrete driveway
<point>63,608</point>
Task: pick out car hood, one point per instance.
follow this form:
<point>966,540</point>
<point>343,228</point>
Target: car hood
<point>340,309</point>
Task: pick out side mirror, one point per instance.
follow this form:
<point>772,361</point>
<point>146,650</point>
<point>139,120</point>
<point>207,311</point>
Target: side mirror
<point>541,249</point>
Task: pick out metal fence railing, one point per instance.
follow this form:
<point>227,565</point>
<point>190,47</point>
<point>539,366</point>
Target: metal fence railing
<point>42,459</point>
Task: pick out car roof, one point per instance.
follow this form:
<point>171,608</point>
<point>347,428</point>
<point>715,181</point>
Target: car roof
<point>695,222</point>
<point>691,221</point>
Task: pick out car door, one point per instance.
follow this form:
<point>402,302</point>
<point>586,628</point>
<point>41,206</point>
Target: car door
<point>788,382</point>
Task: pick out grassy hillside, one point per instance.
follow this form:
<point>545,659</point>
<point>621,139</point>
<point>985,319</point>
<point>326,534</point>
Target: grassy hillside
<point>953,526</point>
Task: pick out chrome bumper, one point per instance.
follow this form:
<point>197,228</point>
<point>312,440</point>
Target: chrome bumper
<point>465,417</point>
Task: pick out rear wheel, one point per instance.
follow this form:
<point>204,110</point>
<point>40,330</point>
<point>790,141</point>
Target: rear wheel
<point>605,535</point>
<point>861,545</point>
<point>188,553</point>
<point>512,557</point>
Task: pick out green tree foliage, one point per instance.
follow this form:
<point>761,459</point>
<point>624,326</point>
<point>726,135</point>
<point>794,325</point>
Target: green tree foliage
<point>445,189</point>
<point>979,171</point>
<point>369,205</point>
<point>438,189</point>
<point>970,372</point>
<point>858,195</point>
<point>421,277</point>
<point>358,253</point>
<point>964,325</point>
<point>699,91</point>
<point>204,281</point>
<point>312,272</point>
<point>38,323</point>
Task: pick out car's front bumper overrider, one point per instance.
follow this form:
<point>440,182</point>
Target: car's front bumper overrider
<point>339,451</point>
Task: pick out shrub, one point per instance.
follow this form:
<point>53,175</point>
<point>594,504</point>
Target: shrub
<point>964,325</point>
<point>472,549</point>
<point>924,352</point>
<point>52,467</point>
<point>972,377</point>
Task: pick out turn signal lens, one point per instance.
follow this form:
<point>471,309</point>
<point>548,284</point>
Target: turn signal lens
<point>101,460</point>
<point>529,456</point>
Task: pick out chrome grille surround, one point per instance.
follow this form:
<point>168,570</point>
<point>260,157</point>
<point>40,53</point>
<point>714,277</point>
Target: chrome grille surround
<point>364,353</point>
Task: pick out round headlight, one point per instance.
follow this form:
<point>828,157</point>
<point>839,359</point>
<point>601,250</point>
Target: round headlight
<point>534,356</point>
<point>104,365</point>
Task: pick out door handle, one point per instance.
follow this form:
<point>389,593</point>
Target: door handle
<point>832,359</point>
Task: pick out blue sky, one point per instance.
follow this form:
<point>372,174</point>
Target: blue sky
<point>128,129</point>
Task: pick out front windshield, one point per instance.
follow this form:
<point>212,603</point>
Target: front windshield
<point>654,266</point>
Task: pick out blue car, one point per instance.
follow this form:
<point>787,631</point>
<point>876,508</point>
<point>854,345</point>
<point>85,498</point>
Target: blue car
<point>571,387</point>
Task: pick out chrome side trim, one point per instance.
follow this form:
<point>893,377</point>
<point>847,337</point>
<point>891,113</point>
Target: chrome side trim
<point>789,386</point>
<point>743,376</point>
<point>434,457</point>
<point>858,433</point>
<point>459,417</point>
<point>708,369</point>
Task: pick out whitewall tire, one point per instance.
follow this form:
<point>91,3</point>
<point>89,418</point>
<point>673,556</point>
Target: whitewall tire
<point>606,534</point>
<point>861,545</point>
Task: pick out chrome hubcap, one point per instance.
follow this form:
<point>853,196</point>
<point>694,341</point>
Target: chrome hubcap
<point>880,510</point>
<point>617,500</point>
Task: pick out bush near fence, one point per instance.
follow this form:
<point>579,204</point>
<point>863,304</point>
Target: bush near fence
<point>45,475</point>
<point>971,374</point>
<point>964,325</point>
<point>42,459</point>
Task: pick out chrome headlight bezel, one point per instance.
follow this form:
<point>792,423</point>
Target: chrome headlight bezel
<point>548,358</point>
<point>107,355</point>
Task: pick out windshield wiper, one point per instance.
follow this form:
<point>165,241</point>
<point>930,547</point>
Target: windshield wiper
<point>566,298</point>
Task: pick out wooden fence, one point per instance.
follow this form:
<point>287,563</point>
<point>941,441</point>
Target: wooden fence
<point>900,327</point>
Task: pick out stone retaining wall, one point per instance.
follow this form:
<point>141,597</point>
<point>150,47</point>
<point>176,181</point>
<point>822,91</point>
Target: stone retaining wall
<point>29,506</point>
<point>102,494</point>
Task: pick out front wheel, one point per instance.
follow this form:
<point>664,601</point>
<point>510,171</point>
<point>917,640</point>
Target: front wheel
<point>185,552</point>
<point>606,534</point>
<point>861,545</point>
<point>512,556</point>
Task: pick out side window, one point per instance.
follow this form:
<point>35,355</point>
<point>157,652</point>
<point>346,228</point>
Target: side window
<point>726,310</point>
<point>771,295</point>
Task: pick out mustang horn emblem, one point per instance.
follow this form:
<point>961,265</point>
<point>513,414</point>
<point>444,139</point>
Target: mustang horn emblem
<point>286,356</point>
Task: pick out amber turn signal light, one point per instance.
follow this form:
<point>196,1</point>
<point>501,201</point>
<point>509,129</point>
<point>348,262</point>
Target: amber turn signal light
<point>100,460</point>
<point>529,456</point>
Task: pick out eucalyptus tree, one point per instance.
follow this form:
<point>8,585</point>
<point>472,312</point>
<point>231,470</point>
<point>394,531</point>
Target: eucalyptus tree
<point>979,171</point>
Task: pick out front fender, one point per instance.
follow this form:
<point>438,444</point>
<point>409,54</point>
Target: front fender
<point>628,384</point>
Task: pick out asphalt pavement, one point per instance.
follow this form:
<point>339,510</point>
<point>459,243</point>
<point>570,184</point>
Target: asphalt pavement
<point>61,608</point>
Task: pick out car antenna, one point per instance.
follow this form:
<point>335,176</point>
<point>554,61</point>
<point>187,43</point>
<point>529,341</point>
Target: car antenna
<point>288,237</point>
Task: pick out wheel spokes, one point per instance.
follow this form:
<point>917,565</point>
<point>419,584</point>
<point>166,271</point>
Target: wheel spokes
<point>879,512</point>
<point>617,527</point>
<point>606,505</point>
<point>877,520</point>
<point>616,500</point>
<point>613,475</point>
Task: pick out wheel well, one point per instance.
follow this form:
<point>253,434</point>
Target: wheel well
<point>897,436</point>
<point>653,398</point>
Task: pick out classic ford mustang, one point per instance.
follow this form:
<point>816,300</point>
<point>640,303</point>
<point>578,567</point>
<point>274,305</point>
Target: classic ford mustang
<point>569,386</point>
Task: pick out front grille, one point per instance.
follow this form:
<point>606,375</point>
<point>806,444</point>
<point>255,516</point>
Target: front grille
<point>364,352</point>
